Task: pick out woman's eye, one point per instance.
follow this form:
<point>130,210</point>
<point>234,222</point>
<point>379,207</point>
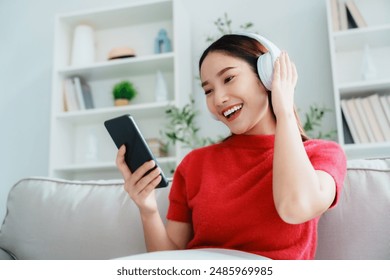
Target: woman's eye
<point>206,92</point>
<point>228,79</point>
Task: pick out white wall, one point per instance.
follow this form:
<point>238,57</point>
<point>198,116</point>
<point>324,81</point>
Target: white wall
<point>26,41</point>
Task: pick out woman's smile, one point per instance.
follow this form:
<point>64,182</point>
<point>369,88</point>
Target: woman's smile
<point>232,112</point>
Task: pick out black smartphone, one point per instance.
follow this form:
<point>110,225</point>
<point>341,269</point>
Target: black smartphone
<point>124,131</point>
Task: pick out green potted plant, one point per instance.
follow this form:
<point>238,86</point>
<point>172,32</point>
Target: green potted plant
<point>181,127</point>
<point>123,92</point>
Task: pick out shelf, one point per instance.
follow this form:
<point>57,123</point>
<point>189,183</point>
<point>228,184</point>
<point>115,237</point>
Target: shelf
<point>348,65</point>
<point>367,150</point>
<point>77,137</point>
<point>148,110</point>
<point>355,39</point>
<point>122,67</point>
<point>348,51</point>
<point>103,166</point>
<point>354,88</point>
<point>138,13</point>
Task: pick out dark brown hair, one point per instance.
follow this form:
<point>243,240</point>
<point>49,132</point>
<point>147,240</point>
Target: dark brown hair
<point>249,50</point>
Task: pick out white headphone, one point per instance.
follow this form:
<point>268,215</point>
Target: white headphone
<point>265,62</point>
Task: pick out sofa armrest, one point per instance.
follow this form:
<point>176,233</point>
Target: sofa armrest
<point>4,255</point>
<point>359,226</point>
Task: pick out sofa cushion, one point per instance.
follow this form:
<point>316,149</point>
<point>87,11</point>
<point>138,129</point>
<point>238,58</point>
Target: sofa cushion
<point>359,226</point>
<point>5,256</point>
<point>59,219</point>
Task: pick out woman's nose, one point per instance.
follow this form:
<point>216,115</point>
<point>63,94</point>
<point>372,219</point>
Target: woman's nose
<point>220,97</point>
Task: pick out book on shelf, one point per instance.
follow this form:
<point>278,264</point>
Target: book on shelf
<point>388,98</point>
<point>371,119</point>
<point>364,119</point>
<point>83,93</point>
<point>349,122</point>
<point>348,139</point>
<point>357,120</point>
<point>385,102</point>
<point>335,15</point>
<point>355,13</point>
<point>79,93</point>
<point>70,99</point>
<point>380,115</point>
<point>343,15</point>
<point>346,15</point>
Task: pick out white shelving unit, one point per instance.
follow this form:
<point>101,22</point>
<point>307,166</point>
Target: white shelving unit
<point>346,51</point>
<point>80,147</point>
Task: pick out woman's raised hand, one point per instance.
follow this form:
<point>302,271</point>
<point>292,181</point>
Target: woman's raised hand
<point>283,85</point>
<point>139,186</point>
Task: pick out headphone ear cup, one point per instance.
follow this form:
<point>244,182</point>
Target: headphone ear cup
<point>265,69</point>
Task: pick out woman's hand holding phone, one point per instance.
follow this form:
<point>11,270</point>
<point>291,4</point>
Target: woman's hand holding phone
<point>139,186</point>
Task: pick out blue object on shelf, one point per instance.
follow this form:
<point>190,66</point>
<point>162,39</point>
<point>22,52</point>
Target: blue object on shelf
<point>162,43</point>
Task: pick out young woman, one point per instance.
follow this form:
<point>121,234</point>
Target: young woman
<point>263,189</point>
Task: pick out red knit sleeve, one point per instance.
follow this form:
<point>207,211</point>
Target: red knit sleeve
<point>178,209</point>
<point>328,156</point>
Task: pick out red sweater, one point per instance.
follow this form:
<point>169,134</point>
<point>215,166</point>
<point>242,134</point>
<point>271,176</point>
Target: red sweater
<point>225,192</point>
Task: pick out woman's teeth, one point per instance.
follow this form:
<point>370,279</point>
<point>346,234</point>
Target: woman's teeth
<point>231,111</point>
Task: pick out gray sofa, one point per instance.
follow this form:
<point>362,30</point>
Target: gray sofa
<point>58,219</point>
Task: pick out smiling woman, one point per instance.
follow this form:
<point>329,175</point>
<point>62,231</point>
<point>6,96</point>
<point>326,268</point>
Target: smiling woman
<point>261,190</point>
<point>247,56</point>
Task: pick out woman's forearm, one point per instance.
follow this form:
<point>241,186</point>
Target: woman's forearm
<point>156,235</point>
<point>295,182</point>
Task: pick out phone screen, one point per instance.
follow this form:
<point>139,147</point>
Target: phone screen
<point>124,131</point>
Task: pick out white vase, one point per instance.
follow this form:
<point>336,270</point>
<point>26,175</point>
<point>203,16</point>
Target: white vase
<point>161,91</point>
<point>83,47</point>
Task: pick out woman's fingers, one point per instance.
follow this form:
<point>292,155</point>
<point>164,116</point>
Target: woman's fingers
<point>121,164</point>
<point>139,186</point>
<point>288,66</point>
<point>144,168</point>
<point>283,66</point>
<point>151,186</point>
<point>284,69</point>
<point>294,74</point>
<point>276,73</point>
<point>146,181</point>
<point>283,84</point>
<point>135,182</point>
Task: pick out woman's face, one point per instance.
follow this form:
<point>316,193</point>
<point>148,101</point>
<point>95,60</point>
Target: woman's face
<point>235,95</point>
